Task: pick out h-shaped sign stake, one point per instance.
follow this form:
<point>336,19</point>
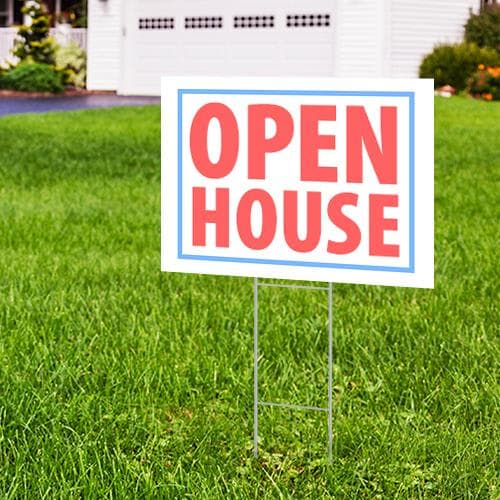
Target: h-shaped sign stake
<point>256,402</point>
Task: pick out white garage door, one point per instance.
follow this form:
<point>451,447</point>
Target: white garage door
<point>222,37</point>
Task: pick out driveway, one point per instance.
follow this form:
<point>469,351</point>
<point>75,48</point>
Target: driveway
<point>17,105</point>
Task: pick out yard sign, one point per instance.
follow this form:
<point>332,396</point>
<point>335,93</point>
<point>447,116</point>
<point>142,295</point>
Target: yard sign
<point>305,179</point>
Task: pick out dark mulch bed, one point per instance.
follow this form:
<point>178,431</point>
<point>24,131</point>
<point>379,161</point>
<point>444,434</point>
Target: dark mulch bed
<point>69,92</point>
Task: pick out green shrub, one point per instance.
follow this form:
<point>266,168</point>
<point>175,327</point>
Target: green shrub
<point>72,61</point>
<point>484,28</point>
<point>485,83</point>
<point>453,64</point>
<point>33,77</point>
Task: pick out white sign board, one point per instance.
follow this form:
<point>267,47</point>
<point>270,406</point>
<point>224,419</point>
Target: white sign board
<point>304,179</point>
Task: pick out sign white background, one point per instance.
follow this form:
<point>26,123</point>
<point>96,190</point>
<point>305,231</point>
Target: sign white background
<point>183,97</point>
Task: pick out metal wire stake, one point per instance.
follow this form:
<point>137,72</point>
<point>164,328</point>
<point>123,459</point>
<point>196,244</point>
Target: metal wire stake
<point>256,401</point>
<point>330,379</point>
<point>255,367</point>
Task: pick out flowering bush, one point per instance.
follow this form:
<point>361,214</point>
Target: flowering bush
<point>453,64</point>
<point>35,70</point>
<point>485,83</point>
<point>72,61</point>
<point>33,43</point>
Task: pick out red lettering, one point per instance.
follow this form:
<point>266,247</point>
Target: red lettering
<point>379,224</point>
<point>359,132</point>
<point>311,142</point>
<point>229,140</point>
<point>258,144</point>
<point>290,210</point>
<point>350,228</point>
<point>219,217</point>
<point>244,219</point>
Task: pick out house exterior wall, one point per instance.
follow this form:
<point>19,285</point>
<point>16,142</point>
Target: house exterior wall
<point>360,26</point>
<point>386,38</point>
<point>416,27</point>
<point>6,13</point>
<point>104,38</point>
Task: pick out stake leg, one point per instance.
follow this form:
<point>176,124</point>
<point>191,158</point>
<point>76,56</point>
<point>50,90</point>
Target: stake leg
<point>256,401</point>
<point>330,376</point>
<point>255,367</point>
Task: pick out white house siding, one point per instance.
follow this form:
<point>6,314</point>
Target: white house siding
<point>104,44</point>
<point>416,27</point>
<point>360,28</point>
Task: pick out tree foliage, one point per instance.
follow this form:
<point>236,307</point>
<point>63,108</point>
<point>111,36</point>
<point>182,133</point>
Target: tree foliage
<point>33,42</point>
<point>484,28</point>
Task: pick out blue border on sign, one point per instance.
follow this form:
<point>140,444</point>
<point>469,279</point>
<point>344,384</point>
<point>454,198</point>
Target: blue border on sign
<point>332,265</point>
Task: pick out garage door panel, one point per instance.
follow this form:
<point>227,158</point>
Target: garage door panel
<point>205,51</point>
<point>213,37</point>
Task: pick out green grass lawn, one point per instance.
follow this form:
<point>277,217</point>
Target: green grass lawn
<point>119,381</point>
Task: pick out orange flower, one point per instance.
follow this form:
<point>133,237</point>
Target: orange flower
<point>488,97</point>
<point>494,71</point>
<point>481,67</point>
